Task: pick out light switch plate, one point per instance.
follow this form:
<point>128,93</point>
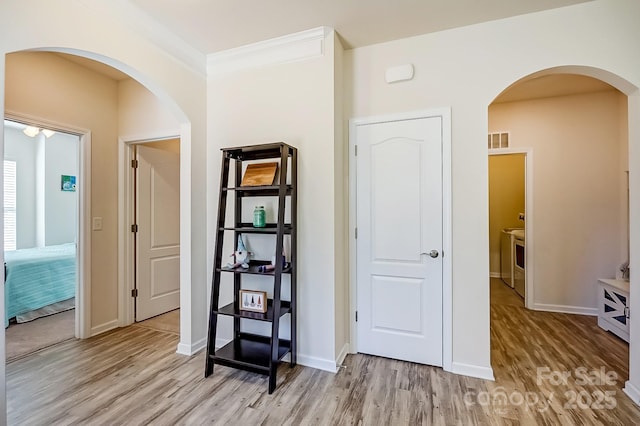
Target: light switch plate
<point>97,224</point>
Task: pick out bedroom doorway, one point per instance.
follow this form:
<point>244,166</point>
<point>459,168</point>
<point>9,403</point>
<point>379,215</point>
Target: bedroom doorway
<point>41,230</point>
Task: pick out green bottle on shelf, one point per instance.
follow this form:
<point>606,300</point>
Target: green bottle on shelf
<point>259,217</point>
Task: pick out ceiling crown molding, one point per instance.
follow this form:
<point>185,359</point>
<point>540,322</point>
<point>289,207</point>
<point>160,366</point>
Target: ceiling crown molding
<point>151,30</point>
<point>292,47</point>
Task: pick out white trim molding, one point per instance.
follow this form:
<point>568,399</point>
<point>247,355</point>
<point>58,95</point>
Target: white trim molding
<point>194,348</point>
<point>323,364</point>
<point>342,355</point>
<point>289,48</point>
<point>632,392</point>
<point>477,371</point>
<point>566,309</point>
<point>102,328</point>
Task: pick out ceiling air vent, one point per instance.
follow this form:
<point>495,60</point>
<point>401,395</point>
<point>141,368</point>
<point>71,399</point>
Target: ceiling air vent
<point>498,140</point>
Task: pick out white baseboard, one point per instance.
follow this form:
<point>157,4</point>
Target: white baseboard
<point>191,349</point>
<point>99,329</point>
<point>318,363</point>
<point>485,373</point>
<point>566,309</point>
<point>495,275</point>
<point>632,392</point>
<point>342,355</point>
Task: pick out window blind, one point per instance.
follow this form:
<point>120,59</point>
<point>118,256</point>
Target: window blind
<point>9,205</point>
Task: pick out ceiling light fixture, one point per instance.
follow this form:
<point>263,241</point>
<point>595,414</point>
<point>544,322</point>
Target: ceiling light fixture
<point>33,131</point>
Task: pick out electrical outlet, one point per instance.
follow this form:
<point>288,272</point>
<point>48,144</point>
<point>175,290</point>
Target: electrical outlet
<point>97,224</point>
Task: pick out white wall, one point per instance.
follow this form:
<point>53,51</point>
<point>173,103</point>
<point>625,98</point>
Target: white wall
<point>293,103</point>
<point>21,149</point>
<point>38,188</point>
<point>61,207</point>
<point>578,170</point>
<point>341,182</point>
<point>465,69</point>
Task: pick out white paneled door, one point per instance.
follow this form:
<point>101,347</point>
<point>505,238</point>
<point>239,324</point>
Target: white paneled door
<point>158,237</point>
<point>399,242</point>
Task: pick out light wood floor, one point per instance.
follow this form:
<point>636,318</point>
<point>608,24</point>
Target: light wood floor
<point>132,376</point>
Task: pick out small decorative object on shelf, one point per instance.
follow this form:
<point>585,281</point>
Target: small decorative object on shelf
<point>240,256</point>
<point>259,174</point>
<point>259,217</point>
<point>251,300</point>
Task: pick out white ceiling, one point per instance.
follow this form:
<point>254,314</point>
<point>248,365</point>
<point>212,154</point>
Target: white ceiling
<point>215,25</point>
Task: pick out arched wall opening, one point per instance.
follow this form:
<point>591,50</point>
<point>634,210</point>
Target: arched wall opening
<point>626,246</point>
<point>104,245</point>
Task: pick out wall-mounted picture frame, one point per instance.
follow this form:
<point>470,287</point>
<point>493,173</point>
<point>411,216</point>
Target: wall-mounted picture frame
<point>68,183</point>
<point>253,300</point>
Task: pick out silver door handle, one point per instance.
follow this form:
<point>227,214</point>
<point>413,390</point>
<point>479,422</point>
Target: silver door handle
<point>432,253</point>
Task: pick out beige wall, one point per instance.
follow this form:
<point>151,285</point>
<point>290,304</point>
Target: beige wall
<point>43,85</point>
<point>506,200</point>
<point>141,115</point>
<point>578,166</point>
<point>176,81</point>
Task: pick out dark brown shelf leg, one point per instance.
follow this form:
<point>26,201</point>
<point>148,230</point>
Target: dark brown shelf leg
<point>217,261</point>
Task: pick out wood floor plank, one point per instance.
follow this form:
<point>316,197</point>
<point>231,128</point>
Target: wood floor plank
<point>132,376</point>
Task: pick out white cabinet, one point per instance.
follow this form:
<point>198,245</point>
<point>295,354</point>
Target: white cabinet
<point>613,307</point>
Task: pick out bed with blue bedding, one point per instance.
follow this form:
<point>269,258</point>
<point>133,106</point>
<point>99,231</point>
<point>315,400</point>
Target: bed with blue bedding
<point>38,277</point>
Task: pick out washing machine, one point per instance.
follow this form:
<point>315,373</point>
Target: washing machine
<point>507,254</point>
<point>519,275</point>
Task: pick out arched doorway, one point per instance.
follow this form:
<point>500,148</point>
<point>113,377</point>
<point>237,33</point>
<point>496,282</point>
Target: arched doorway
<point>564,167</point>
<point>101,125</point>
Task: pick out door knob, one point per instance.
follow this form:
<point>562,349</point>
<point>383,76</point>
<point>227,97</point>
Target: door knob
<point>433,253</point>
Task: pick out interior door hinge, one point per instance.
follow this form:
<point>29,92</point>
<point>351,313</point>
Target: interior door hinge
<point>134,292</point>
<point>134,164</point>
<point>356,233</point>
<point>356,316</point>
<point>356,150</point>
<point>626,311</point>
<point>134,228</point>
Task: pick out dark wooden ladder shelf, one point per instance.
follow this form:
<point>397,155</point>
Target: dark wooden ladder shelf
<point>257,353</point>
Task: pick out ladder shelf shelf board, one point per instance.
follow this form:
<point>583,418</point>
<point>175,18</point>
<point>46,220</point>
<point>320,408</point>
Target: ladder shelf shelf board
<point>254,268</point>
<point>269,228</point>
<point>258,191</point>
<point>251,352</point>
<point>257,353</point>
<point>233,311</point>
